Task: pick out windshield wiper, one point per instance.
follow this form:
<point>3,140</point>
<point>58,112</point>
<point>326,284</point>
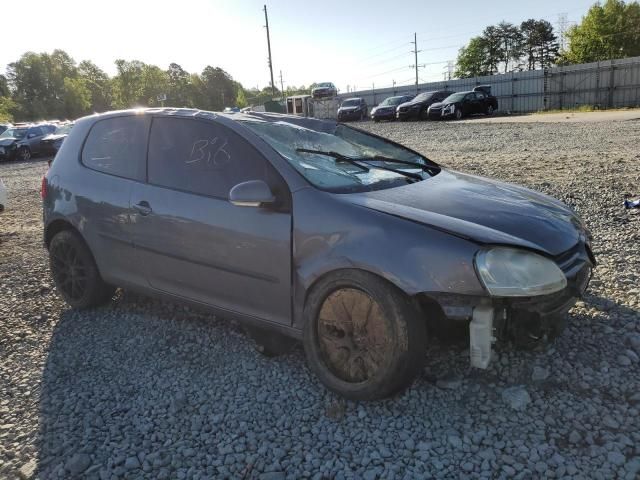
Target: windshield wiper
<point>336,155</point>
<point>421,166</point>
<point>358,162</point>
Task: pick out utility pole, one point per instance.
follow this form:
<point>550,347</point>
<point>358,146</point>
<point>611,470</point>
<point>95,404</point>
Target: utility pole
<point>266,20</point>
<point>415,52</point>
<point>281,84</point>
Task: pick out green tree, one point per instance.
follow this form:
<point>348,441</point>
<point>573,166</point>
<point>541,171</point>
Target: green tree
<point>77,98</point>
<point>99,85</point>
<point>179,92</point>
<point>217,89</point>
<point>607,31</point>
<point>128,84</point>
<point>540,44</point>
<point>473,59</point>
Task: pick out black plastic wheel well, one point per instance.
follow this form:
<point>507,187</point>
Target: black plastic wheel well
<point>56,227</point>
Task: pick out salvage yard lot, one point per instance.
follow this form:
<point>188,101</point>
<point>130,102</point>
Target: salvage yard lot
<point>143,388</point>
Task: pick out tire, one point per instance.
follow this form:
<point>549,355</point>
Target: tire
<point>458,114</point>
<point>75,273</point>
<point>24,153</point>
<point>489,111</point>
<point>342,356</point>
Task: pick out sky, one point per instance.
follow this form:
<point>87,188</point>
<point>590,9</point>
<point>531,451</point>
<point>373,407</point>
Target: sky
<point>355,44</point>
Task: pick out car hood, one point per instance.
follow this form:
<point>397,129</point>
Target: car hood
<point>411,103</point>
<point>348,109</point>
<point>440,104</point>
<point>5,142</point>
<point>54,136</point>
<point>383,108</point>
<point>482,210</point>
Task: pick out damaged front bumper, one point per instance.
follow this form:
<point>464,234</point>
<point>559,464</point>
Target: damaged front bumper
<point>525,321</point>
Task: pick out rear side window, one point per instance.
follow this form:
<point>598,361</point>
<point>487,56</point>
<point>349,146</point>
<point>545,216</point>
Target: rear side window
<point>202,157</point>
<point>118,146</point>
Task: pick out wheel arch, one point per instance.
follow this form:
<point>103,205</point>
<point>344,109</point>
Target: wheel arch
<point>56,226</point>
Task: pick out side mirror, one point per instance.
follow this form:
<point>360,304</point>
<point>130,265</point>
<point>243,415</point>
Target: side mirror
<point>254,193</point>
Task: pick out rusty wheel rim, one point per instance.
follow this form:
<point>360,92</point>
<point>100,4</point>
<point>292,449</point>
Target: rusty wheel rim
<point>353,334</point>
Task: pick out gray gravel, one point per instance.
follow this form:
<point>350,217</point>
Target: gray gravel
<point>145,389</point>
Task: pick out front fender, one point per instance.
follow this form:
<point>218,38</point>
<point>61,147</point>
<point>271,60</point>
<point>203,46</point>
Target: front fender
<point>330,234</point>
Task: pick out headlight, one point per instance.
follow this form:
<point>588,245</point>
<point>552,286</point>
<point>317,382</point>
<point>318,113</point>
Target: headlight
<point>449,108</point>
<point>509,272</point>
<point>415,107</point>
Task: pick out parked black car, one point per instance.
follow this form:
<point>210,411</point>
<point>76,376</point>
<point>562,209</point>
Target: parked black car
<point>387,109</point>
<point>492,100</point>
<point>324,90</point>
<point>462,104</point>
<point>51,143</point>
<point>352,109</point>
<point>417,108</point>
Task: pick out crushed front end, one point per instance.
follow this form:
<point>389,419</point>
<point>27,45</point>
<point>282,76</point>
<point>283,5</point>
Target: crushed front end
<point>526,321</point>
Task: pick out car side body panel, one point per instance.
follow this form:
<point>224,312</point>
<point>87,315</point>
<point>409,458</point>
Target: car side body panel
<point>331,233</point>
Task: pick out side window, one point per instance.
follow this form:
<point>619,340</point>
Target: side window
<point>470,97</point>
<point>117,146</point>
<point>34,132</point>
<point>480,95</point>
<point>201,157</point>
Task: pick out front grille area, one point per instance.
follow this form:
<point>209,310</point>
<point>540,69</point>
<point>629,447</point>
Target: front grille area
<point>576,264</point>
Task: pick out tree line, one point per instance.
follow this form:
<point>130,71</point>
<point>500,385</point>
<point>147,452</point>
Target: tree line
<point>606,32</point>
<point>44,86</point>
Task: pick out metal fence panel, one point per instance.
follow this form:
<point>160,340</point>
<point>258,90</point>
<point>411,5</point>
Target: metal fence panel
<point>607,84</point>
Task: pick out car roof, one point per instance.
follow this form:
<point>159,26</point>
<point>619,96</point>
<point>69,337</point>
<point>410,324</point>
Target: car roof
<point>226,116</point>
<point>352,98</point>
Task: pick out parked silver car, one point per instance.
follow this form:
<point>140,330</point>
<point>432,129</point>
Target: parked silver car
<point>309,229</point>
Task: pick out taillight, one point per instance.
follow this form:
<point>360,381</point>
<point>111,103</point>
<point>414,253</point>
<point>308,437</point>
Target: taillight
<point>43,188</point>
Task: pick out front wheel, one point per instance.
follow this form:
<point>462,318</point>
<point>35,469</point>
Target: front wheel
<point>458,114</point>
<point>24,153</point>
<point>75,273</point>
<point>362,337</point>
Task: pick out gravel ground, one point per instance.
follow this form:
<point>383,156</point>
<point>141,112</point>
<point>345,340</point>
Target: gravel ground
<point>144,389</point>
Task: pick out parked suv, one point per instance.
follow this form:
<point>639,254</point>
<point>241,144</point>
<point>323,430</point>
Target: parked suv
<point>324,90</point>
<point>352,109</point>
<point>311,229</point>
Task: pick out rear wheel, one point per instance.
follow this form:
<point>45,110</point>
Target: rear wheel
<point>75,273</point>
<point>489,110</point>
<point>24,153</point>
<point>363,338</point>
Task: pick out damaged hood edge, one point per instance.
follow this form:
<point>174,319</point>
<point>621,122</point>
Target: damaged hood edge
<point>454,226</point>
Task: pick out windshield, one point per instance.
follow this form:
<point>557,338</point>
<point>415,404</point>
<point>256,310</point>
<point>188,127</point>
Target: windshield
<point>455,97</point>
<point>63,129</point>
<point>324,171</point>
<point>393,101</point>
<point>350,103</point>
<point>14,133</point>
<point>324,85</point>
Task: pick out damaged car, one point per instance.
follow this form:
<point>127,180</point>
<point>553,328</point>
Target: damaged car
<point>311,230</point>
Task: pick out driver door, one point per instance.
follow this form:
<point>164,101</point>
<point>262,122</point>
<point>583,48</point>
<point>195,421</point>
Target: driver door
<point>192,241</point>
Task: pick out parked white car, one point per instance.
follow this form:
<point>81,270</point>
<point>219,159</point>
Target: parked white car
<point>3,196</point>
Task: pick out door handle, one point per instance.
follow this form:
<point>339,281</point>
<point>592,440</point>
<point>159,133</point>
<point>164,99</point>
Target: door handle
<point>143,208</point>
